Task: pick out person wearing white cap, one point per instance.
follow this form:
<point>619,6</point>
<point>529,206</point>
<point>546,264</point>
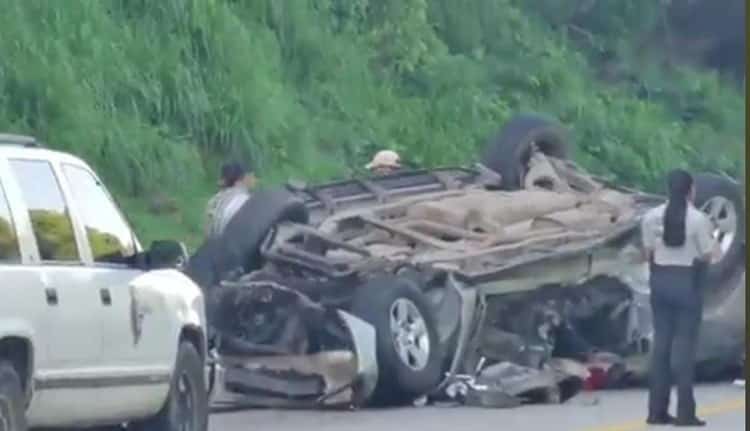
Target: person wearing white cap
<point>384,162</point>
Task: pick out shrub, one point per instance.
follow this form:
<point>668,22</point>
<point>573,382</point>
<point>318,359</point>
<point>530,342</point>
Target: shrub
<point>155,94</point>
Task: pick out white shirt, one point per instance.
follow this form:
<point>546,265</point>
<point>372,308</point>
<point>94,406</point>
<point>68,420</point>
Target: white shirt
<point>222,207</point>
<point>699,239</point>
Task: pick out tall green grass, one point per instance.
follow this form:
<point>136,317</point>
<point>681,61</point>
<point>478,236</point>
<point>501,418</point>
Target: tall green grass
<point>156,93</point>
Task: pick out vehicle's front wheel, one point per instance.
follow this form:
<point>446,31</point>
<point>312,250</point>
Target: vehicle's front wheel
<point>12,415</point>
<point>186,408</point>
<point>408,349</point>
<point>239,246</point>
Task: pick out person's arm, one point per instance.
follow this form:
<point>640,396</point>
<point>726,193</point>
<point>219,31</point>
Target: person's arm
<point>209,217</point>
<point>708,247</point>
<point>647,238</point>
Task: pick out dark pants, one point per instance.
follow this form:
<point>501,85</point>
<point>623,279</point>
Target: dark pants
<point>677,305</point>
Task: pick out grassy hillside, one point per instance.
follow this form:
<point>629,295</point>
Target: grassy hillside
<point>156,93</point>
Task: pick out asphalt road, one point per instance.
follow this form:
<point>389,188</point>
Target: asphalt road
<point>723,406</point>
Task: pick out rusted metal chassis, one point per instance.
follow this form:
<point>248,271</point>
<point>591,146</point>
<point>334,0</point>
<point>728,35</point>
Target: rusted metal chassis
<point>500,260</point>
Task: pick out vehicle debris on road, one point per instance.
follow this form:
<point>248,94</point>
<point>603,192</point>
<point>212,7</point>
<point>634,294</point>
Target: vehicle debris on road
<point>506,385</point>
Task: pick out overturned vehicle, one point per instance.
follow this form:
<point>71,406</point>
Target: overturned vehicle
<point>386,289</point>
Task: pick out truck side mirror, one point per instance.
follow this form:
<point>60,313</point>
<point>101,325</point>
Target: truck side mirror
<point>167,254</point>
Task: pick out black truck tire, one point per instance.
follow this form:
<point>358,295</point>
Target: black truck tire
<point>403,376</point>
<point>245,232</point>
<point>238,247</point>
<point>508,152</point>
<point>714,193</point>
<point>12,414</point>
<point>187,406</point>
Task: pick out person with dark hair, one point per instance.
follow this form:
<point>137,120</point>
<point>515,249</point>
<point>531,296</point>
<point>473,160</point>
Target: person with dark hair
<point>235,185</point>
<point>678,242</point>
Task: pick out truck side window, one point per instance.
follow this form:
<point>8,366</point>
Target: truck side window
<point>110,237</point>
<point>48,212</point>
<point>9,250</point>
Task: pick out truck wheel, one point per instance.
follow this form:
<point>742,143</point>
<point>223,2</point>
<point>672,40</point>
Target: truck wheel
<point>408,349</point>
<point>239,244</point>
<point>246,231</point>
<point>12,414</point>
<point>721,200</point>
<point>186,408</point>
<point>508,152</point>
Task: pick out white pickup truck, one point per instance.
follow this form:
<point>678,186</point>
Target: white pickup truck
<point>94,331</point>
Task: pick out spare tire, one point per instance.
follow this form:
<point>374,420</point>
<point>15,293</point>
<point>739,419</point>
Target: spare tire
<point>508,152</point>
<point>409,353</point>
<point>722,200</point>
<point>238,247</point>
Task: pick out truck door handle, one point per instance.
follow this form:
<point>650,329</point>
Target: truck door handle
<point>51,295</point>
<point>106,297</point>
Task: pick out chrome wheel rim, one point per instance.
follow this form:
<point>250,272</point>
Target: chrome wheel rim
<point>723,214</point>
<point>410,336</point>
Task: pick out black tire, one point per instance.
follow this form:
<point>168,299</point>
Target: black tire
<point>189,367</point>
<point>398,383</point>
<point>246,231</point>
<point>508,152</point>
<point>238,247</point>
<point>710,187</point>
<point>12,410</point>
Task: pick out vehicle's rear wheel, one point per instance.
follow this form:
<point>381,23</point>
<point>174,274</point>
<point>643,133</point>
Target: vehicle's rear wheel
<point>239,245</point>
<point>721,200</point>
<point>408,347</point>
<point>12,415</point>
<point>186,408</point>
<point>508,153</point>
<point>247,230</point>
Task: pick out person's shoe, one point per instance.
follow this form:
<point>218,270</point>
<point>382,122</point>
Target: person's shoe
<point>661,420</point>
<point>692,422</point>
